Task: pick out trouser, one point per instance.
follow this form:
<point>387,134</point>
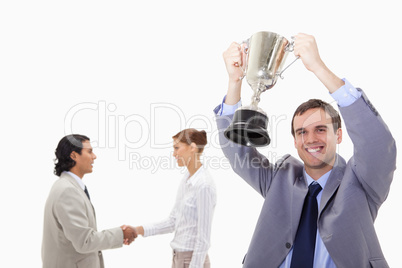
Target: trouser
<point>183,259</point>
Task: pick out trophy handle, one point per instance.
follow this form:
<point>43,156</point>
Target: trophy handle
<point>291,45</point>
<point>289,48</point>
<point>244,63</point>
<point>280,74</point>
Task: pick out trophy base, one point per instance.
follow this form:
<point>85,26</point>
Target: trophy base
<point>248,128</point>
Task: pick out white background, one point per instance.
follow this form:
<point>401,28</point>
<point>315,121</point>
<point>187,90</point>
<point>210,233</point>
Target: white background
<point>131,74</point>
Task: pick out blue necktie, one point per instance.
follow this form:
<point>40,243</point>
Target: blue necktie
<point>304,245</point>
<point>86,192</point>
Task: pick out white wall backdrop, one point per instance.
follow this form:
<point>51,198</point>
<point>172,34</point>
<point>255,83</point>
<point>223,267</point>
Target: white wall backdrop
<point>130,74</point>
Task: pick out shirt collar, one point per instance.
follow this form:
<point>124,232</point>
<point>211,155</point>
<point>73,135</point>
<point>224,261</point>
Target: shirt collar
<point>193,179</point>
<point>321,181</point>
<point>78,179</point>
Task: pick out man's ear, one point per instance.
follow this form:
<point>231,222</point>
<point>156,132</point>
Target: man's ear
<point>339,136</point>
<point>73,155</point>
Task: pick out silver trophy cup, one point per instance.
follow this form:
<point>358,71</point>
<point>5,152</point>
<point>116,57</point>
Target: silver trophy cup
<point>266,54</point>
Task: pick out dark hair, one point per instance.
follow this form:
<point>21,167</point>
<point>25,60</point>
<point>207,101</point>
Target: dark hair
<point>67,145</point>
<point>315,103</point>
<point>192,135</point>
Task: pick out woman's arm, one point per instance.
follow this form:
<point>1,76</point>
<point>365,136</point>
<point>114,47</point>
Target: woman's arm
<point>206,201</point>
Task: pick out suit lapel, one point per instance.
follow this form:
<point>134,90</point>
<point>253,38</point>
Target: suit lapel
<point>66,176</point>
<point>299,193</point>
<point>333,183</point>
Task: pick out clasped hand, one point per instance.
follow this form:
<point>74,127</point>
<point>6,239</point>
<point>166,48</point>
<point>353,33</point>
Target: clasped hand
<point>129,233</point>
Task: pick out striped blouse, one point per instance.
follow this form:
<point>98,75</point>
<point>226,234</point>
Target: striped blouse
<point>191,217</point>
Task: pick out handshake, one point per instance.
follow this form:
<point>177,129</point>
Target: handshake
<point>130,233</point>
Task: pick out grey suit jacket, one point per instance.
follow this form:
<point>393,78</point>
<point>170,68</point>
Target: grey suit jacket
<point>70,237</point>
<point>350,201</point>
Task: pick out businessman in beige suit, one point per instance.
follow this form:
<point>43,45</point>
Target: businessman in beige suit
<point>70,236</point>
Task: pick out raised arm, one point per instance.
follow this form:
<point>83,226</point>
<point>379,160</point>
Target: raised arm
<point>374,157</point>
<point>234,58</point>
<point>247,162</point>
<point>306,48</point>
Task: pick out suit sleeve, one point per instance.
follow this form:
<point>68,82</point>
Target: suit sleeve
<point>71,212</point>
<point>247,162</point>
<point>374,156</point>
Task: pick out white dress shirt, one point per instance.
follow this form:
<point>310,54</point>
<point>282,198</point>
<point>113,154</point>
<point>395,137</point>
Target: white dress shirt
<point>191,217</point>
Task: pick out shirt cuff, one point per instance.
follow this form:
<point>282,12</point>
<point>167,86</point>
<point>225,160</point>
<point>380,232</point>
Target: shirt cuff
<point>346,94</point>
<point>228,109</point>
<point>148,230</point>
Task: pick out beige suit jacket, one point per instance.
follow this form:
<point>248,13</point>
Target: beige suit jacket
<point>70,236</point>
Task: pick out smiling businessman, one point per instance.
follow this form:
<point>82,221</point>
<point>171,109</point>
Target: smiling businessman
<point>319,212</point>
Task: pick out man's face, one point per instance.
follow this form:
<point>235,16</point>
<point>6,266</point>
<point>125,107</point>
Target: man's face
<point>85,160</point>
<point>316,140</point>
